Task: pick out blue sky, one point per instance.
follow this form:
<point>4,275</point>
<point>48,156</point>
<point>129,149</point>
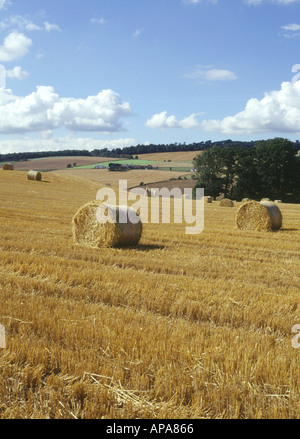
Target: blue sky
<point>111,73</point>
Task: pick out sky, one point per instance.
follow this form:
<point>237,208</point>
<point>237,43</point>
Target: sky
<point>98,74</point>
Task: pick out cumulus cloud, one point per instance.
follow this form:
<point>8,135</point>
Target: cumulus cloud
<point>278,111</point>
<point>15,46</point>
<point>45,110</point>
<point>17,73</point>
<point>211,74</point>
<point>162,121</point>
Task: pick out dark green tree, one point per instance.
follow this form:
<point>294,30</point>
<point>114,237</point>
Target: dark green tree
<point>246,181</point>
<point>209,167</point>
<point>275,163</point>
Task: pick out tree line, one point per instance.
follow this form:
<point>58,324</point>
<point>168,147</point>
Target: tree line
<point>131,151</point>
<point>268,168</point>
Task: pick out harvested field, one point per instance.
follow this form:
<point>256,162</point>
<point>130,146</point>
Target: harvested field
<point>182,326</point>
<point>180,156</point>
<point>111,178</point>
<point>51,163</point>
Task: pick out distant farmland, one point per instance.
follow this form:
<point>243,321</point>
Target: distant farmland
<point>52,163</point>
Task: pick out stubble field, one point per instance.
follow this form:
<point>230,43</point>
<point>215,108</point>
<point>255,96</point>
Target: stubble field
<point>182,326</point>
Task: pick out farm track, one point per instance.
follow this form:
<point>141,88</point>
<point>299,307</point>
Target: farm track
<point>180,327</point>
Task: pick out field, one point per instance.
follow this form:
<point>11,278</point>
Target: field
<point>180,327</point>
<point>179,156</point>
<point>181,161</point>
<point>52,163</point>
<point>111,178</point>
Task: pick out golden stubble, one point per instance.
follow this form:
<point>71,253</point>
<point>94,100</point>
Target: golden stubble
<point>181,326</point>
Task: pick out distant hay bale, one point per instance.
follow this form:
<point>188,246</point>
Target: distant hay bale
<point>265,199</point>
<point>208,199</point>
<point>34,175</point>
<point>244,200</point>
<point>89,228</point>
<point>8,167</point>
<point>226,203</point>
<point>277,201</point>
<point>263,215</point>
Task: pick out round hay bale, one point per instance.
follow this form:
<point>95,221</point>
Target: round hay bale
<point>265,199</point>
<point>208,199</point>
<point>8,167</point>
<point>90,228</point>
<point>34,175</point>
<point>226,203</point>
<point>259,216</point>
<point>244,200</point>
<point>277,201</point>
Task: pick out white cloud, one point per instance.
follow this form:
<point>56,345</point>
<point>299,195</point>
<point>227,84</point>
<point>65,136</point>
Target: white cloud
<point>292,30</point>
<point>17,73</point>
<point>162,121</point>
<point>49,27</point>
<point>97,20</point>
<point>45,110</point>
<point>47,142</point>
<point>19,22</point>
<point>15,46</point>
<point>291,27</point>
<point>136,33</point>
<point>278,111</point>
<point>4,4</point>
<point>195,2</point>
<point>211,74</point>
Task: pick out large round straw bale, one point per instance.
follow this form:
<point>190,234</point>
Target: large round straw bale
<point>277,201</point>
<point>259,216</point>
<point>90,228</point>
<point>34,175</point>
<point>226,203</point>
<point>8,167</point>
<point>208,199</point>
<point>265,199</point>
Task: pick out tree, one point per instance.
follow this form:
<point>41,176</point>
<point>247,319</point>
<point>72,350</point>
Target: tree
<point>209,166</point>
<point>275,162</point>
<point>268,168</point>
<point>246,183</point>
